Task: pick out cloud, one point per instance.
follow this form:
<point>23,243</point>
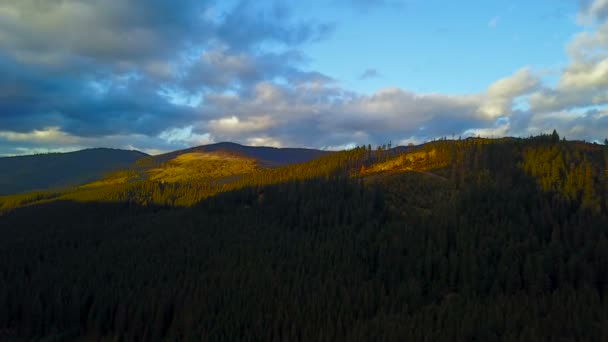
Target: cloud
<point>84,73</point>
<point>589,125</point>
<point>264,141</point>
<point>53,139</point>
<point>100,69</point>
<point>233,125</point>
<point>369,74</point>
<point>501,128</point>
<point>582,83</point>
<point>119,34</point>
<point>500,95</point>
<point>593,10</point>
<point>185,136</point>
<point>51,134</point>
<point>324,115</point>
<point>220,68</point>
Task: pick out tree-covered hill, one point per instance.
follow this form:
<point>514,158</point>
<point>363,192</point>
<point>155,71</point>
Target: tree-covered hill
<point>472,240</point>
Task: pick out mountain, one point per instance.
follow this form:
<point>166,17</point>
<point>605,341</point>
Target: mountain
<point>266,156</point>
<point>102,167</point>
<point>55,170</point>
<point>222,162</point>
<point>472,240</point>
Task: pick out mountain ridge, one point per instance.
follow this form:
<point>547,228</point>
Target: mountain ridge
<point>53,170</point>
<point>99,166</point>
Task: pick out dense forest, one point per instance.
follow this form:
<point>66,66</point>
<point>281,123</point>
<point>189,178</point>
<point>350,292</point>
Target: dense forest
<point>454,240</point>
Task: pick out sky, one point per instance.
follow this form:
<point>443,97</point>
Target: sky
<point>160,75</point>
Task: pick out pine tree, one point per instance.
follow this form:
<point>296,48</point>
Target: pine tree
<point>554,137</point>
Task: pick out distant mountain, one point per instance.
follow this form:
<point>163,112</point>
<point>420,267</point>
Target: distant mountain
<point>44,171</point>
<point>222,161</point>
<point>102,167</point>
<point>266,156</point>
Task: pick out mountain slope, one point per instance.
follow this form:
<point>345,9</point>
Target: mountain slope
<point>43,171</point>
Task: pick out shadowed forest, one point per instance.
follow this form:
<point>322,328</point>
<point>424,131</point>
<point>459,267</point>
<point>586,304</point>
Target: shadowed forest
<point>456,240</point>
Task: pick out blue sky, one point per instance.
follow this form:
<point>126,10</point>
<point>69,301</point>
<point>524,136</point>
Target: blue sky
<point>441,46</point>
<point>159,75</point>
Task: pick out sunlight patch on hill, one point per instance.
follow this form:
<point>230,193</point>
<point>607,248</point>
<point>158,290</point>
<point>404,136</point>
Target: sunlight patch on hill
<point>412,161</point>
<point>202,165</point>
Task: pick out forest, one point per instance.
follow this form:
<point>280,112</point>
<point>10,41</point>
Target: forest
<point>454,240</point>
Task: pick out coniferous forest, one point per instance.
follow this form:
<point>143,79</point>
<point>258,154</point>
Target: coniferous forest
<point>454,240</point>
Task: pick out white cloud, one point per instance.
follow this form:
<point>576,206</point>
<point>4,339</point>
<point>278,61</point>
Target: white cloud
<point>501,129</point>
<point>233,125</point>
<point>585,75</point>
<point>47,135</point>
<point>582,83</point>
<point>393,108</point>
<point>264,141</point>
<point>589,45</point>
<point>413,140</point>
<point>348,146</point>
<point>500,95</point>
<point>185,136</point>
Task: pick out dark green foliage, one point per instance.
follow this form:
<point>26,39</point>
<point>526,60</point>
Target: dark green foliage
<point>554,137</point>
<point>488,249</point>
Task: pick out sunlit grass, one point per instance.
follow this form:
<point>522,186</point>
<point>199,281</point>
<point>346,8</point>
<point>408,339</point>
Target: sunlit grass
<point>202,165</point>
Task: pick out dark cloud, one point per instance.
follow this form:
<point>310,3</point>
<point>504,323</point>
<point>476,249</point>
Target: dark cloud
<point>219,69</point>
<point>120,34</point>
<point>33,100</point>
<point>98,68</point>
<point>250,23</point>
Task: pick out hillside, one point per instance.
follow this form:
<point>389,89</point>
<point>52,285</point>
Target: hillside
<point>472,240</point>
<point>57,170</point>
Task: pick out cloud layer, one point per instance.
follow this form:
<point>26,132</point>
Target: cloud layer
<point>84,73</point>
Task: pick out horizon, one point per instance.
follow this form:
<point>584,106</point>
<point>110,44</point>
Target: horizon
<point>306,148</point>
<point>326,75</point>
